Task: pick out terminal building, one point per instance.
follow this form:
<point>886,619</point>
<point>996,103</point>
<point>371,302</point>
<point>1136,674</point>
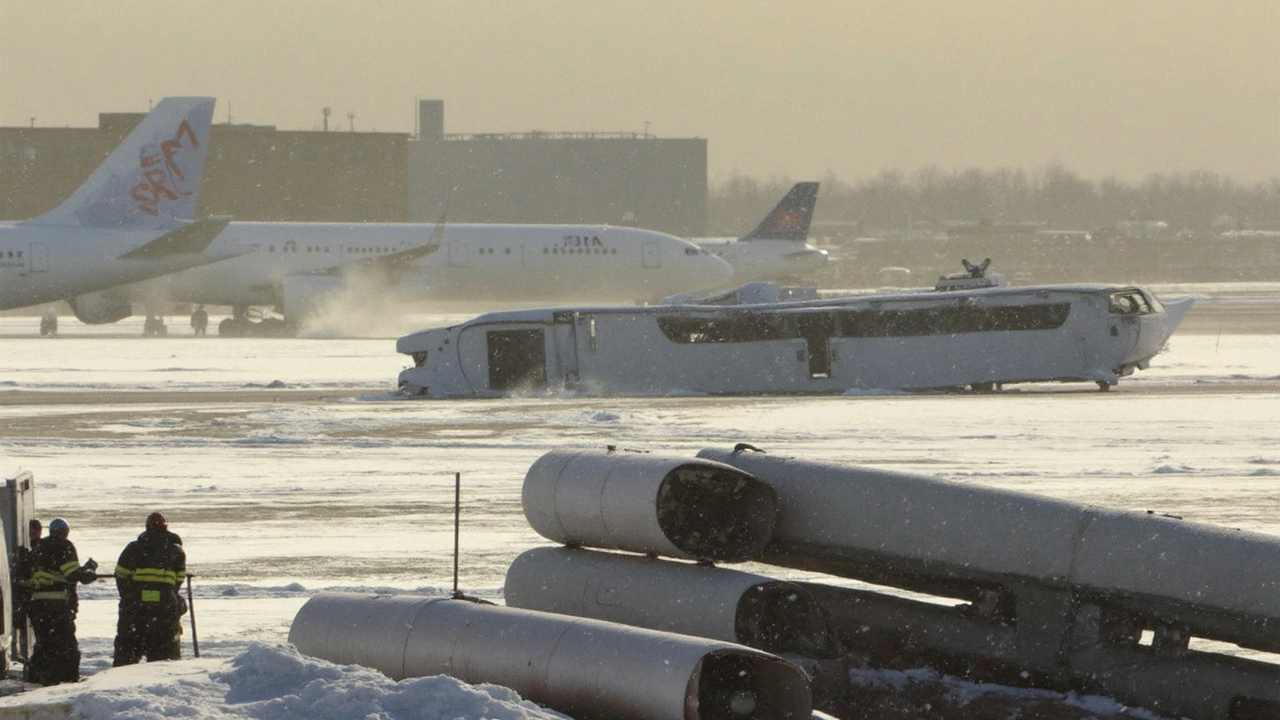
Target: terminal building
<point>257,172</point>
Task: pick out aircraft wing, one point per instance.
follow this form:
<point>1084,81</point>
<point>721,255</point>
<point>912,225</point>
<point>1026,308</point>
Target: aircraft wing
<point>393,263</point>
<point>190,238</point>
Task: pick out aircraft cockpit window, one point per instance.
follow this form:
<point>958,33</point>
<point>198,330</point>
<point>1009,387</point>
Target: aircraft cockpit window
<point>691,251</point>
<point>1129,302</point>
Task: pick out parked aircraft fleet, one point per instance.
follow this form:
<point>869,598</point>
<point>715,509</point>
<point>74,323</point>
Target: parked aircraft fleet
<point>127,237</point>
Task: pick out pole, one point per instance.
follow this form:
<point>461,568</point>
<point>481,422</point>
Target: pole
<point>457,521</point>
<point>191,608</point>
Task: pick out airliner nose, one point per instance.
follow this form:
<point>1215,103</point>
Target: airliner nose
<point>716,270</point>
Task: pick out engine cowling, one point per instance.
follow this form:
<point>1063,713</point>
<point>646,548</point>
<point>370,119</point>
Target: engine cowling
<point>101,308</point>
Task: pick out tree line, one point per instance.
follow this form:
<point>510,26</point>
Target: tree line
<point>1200,201</point>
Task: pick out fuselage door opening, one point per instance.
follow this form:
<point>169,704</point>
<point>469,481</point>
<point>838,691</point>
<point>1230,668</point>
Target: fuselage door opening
<point>459,254</point>
<point>38,258</point>
<point>652,255</point>
<point>517,359</point>
<point>817,329</point>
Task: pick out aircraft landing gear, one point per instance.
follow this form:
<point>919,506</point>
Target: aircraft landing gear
<point>154,327</point>
<point>242,324</point>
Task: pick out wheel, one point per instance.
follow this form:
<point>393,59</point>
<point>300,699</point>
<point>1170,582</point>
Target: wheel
<point>231,327</point>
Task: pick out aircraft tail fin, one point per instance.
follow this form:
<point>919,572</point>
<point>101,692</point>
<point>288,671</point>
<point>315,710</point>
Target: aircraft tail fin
<point>789,219</point>
<point>151,178</point>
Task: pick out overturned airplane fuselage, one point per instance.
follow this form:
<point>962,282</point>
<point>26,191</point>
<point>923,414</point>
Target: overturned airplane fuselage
<point>978,338</point>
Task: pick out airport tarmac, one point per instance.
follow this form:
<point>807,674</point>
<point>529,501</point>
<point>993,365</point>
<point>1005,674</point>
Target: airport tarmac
<point>290,466</point>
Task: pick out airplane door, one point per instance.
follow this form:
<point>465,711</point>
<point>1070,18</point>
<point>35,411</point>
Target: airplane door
<point>817,329</point>
<point>38,259</point>
<point>517,359</point>
<point>652,255</point>
<point>459,254</point>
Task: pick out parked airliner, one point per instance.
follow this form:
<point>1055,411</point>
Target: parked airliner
<point>294,267</point>
<point>777,249</point>
<point>130,220</point>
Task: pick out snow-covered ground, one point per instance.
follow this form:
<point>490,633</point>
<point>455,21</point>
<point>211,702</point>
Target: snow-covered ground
<point>279,496</point>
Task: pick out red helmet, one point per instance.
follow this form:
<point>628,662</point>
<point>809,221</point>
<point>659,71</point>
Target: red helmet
<point>155,522</point>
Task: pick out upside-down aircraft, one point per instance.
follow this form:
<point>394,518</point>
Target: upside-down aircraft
<point>778,248</point>
<point>132,219</point>
<point>295,268</point>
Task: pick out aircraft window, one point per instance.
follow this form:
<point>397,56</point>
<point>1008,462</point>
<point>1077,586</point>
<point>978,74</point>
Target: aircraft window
<point>951,320</point>
<point>691,251</point>
<point>271,248</point>
<point>508,251</point>
<point>326,248</point>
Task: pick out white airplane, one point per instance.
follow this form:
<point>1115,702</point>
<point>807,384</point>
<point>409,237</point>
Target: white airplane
<point>777,249</point>
<point>130,220</point>
<point>296,268</point>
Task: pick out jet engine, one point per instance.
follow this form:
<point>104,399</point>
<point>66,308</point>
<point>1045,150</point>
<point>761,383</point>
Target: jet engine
<point>101,308</point>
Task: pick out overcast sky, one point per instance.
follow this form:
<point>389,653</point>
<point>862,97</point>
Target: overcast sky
<point>794,89</point>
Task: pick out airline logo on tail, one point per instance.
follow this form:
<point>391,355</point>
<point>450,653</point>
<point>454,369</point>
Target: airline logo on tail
<point>149,181</point>
<point>789,219</point>
<point>162,170</point>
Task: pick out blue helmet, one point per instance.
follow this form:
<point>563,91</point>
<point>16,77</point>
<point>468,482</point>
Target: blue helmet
<point>58,526</point>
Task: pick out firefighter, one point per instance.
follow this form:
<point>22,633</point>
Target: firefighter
<point>22,568</point>
<point>149,574</point>
<point>52,604</point>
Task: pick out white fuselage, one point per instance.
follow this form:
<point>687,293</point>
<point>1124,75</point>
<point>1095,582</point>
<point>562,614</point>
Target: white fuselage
<point>43,263</point>
<point>765,260</point>
<point>473,262</point>
<point>909,341</point>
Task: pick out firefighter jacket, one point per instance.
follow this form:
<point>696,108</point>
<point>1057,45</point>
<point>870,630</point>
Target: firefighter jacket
<point>149,573</point>
<point>55,570</point>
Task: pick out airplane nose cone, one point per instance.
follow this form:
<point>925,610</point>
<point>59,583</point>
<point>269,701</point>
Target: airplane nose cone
<point>717,271</point>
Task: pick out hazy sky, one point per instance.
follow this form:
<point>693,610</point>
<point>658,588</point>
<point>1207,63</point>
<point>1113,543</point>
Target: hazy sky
<point>792,89</point>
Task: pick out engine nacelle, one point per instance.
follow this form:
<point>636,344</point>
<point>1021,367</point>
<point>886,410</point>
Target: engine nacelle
<point>101,308</point>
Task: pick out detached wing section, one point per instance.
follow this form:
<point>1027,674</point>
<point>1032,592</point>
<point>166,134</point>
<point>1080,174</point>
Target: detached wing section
<point>190,238</point>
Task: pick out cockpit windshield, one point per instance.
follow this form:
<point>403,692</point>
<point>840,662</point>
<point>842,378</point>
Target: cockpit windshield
<point>1130,302</point>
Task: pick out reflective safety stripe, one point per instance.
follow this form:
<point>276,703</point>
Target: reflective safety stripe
<point>155,575</point>
<point>50,595</point>
<point>69,567</point>
<point>150,596</point>
<point>123,573</point>
<point>44,578</point>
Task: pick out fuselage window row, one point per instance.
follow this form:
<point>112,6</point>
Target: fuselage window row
<point>579,251</point>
